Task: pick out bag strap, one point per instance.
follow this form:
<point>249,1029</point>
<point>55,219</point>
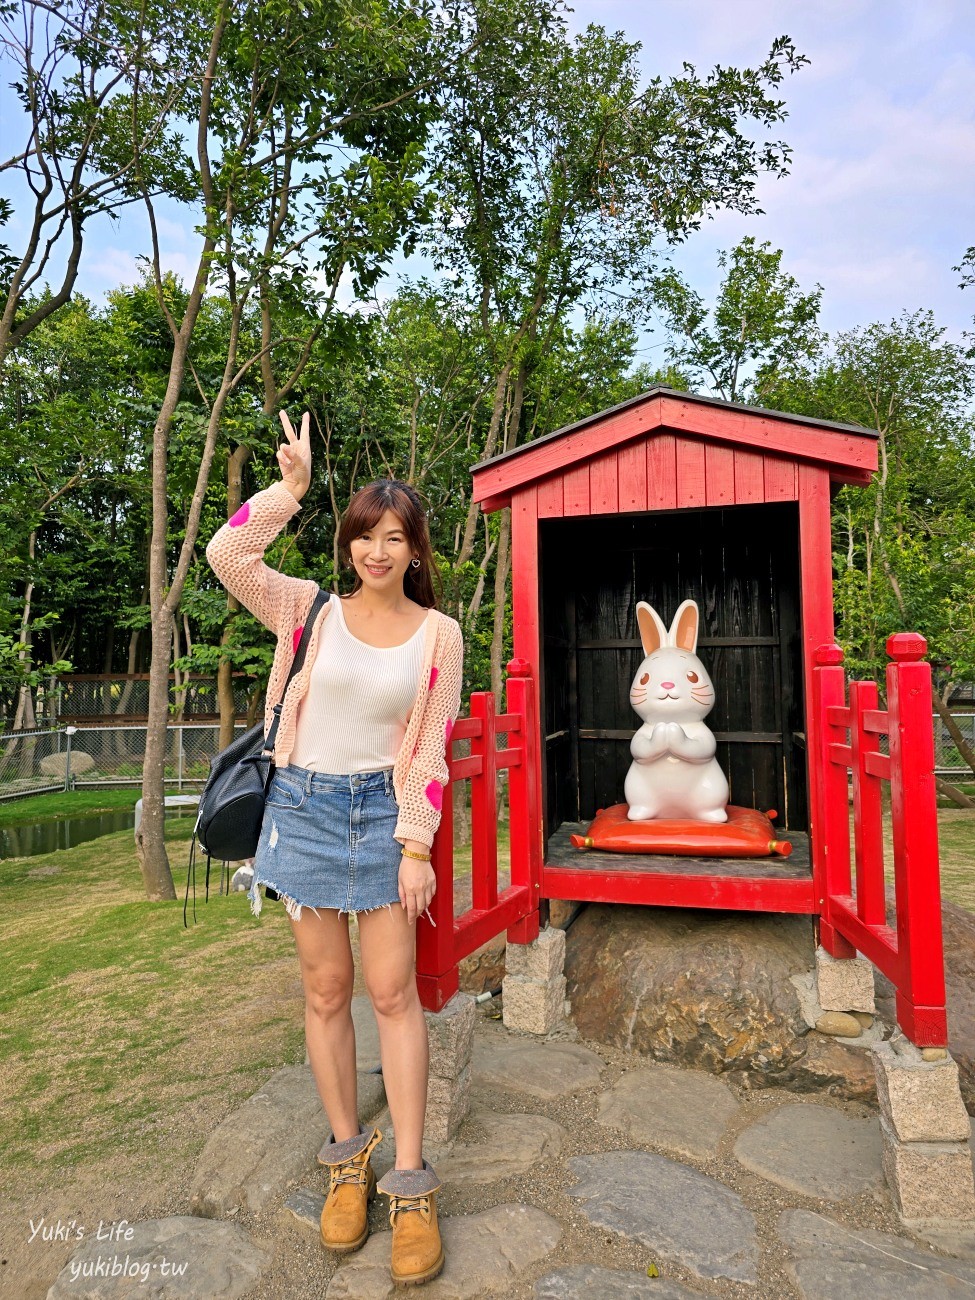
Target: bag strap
<point>296,665</point>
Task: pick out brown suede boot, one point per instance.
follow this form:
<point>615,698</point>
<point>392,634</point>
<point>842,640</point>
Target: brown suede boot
<point>351,1185</point>
<point>417,1250</point>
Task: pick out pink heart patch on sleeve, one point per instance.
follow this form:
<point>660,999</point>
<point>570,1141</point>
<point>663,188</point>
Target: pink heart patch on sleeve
<point>448,728</point>
<point>241,516</point>
<point>434,674</point>
<point>434,793</point>
<point>295,638</point>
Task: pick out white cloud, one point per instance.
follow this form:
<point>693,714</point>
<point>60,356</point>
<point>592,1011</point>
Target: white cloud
<point>879,203</point>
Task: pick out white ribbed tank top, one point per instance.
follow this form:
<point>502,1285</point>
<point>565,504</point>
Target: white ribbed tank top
<point>359,698</point>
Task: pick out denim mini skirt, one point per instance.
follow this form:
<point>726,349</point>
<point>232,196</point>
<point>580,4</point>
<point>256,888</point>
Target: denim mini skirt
<point>327,841</point>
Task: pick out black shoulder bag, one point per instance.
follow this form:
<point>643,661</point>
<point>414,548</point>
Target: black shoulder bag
<point>228,826</point>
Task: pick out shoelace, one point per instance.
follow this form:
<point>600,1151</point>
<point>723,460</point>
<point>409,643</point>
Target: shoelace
<point>350,1173</point>
<point>397,1203</point>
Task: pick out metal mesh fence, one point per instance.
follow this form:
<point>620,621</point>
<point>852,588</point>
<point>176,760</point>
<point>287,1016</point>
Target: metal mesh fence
<point>80,697</point>
<point>947,760</point>
<point>62,757</point>
<point>58,759</point>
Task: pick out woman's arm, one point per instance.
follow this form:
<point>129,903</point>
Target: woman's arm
<point>236,551</point>
<point>428,774</point>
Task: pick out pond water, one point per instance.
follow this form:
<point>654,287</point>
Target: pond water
<point>27,839</point>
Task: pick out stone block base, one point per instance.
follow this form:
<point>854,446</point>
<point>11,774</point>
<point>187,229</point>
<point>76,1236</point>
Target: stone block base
<point>919,1099</point>
<point>543,959</point>
<point>844,983</point>
<point>448,1101</point>
<point>929,1180</point>
<point>533,990</point>
<point>533,1006</point>
<point>451,1037</point>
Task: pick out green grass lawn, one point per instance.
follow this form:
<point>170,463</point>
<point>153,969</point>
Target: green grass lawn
<point>119,1023</point>
<point>70,803</point>
<point>126,1037</point>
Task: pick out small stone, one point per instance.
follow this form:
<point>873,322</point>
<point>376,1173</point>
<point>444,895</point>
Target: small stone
<point>921,1100</point>
<point>511,1145</point>
<point>934,1053</point>
<point>671,1209</point>
<point>844,983</point>
<point>684,1111</point>
<point>306,1206</point>
<point>588,1282</point>
<point>485,1252</point>
<point>543,959</point>
<point>929,1180</point>
<point>814,1150</point>
<point>866,1018</point>
<point>263,1146</point>
<point>545,1070</point>
<point>841,1024</point>
<point>532,1006</point>
<point>213,1259</point>
<point>833,1262</point>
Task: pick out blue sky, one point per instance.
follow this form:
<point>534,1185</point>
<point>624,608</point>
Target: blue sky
<point>880,202</point>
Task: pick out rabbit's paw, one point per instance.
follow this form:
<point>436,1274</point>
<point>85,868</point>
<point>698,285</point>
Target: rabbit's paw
<point>714,815</point>
<point>638,814</point>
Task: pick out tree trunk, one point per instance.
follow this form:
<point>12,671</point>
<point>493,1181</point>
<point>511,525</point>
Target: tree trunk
<point>24,715</point>
<point>474,509</point>
<point>502,567</point>
<point>150,838</point>
<point>954,731</point>
<point>225,684</point>
<point>957,797</point>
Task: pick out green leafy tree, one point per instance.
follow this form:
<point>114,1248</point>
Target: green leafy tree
<point>559,174</point>
<point>902,547</point>
<point>102,86</point>
<point>761,323</point>
<point>304,168</point>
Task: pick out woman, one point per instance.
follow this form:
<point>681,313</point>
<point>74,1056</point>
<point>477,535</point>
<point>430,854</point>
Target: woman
<point>360,772</point>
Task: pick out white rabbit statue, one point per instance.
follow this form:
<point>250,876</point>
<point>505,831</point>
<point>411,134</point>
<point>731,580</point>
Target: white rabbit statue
<point>674,772</point>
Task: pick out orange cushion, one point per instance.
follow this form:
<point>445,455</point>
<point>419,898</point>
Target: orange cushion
<point>746,834</point>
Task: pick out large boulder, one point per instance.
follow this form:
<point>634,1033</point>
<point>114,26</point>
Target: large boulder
<point>56,764</point>
<point>708,989</point>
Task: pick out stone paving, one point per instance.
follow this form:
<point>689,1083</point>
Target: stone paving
<point>579,1174</point>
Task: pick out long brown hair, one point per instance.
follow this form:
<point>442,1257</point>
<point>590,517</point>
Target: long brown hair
<point>366,509</point>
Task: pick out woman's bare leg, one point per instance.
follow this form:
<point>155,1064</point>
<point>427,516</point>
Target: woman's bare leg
<point>387,946</point>
<point>327,974</point>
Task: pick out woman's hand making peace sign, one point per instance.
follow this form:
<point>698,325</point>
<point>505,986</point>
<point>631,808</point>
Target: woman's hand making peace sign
<point>294,457</point>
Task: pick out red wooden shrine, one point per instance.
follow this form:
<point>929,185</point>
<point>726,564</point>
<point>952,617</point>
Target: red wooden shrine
<point>636,488</point>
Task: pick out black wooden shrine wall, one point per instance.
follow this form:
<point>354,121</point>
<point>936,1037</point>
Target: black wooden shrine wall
<point>741,565</point>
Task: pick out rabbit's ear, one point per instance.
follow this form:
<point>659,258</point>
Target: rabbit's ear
<point>653,634</point>
<point>683,630</point>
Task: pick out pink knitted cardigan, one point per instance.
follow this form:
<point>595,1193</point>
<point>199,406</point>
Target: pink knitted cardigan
<point>282,603</point>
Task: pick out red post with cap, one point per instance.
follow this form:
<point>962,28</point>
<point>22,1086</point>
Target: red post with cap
<point>917,878</point>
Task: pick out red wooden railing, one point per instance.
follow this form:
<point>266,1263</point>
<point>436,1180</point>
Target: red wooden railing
<point>910,952</point>
<point>441,946</point>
